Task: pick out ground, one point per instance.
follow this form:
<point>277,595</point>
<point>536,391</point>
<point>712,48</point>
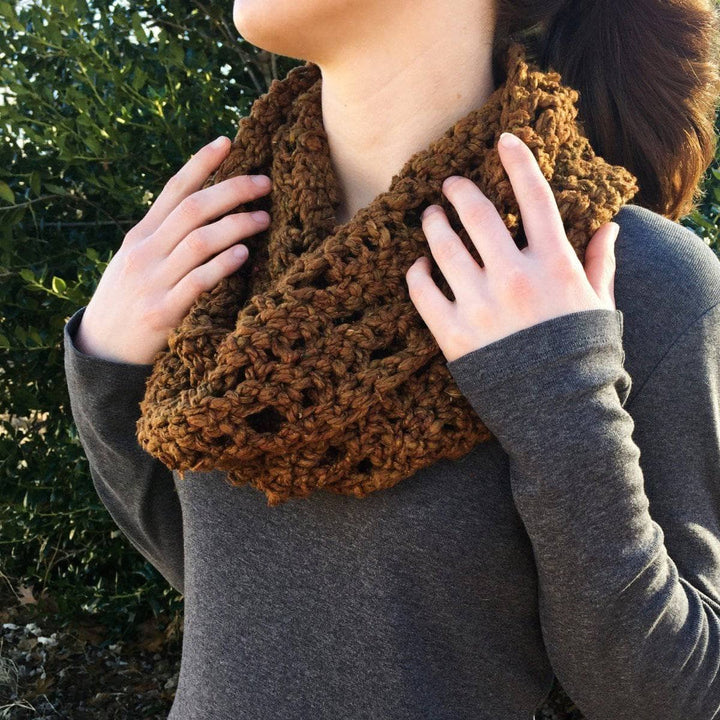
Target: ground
<point>48,671</point>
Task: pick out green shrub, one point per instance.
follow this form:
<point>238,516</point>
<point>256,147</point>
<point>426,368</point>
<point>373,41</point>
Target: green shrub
<point>99,105</point>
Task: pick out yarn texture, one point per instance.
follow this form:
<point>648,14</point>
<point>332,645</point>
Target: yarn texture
<point>310,368</point>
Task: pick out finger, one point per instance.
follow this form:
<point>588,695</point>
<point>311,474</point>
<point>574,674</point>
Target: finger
<point>186,181</point>
<point>540,215</point>
<point>461,271</point>
<point>600,263</point>
<point>431,304</point>
<point>205,277</point>
<point>482,221</point>
<point>204,242</point>
<point>205,205</point>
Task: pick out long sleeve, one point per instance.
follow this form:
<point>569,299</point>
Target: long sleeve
<point>137,489</point>
<point>626,543</point>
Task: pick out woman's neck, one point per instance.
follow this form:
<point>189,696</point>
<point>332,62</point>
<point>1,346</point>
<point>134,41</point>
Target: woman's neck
<point>384,104</point>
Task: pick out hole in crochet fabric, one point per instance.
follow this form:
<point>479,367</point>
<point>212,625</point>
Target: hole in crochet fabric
<point>267,420</point>
<point>298,342</point>
<point>383,352</point>
<point>364,466</point>
<point>412,217</point>
<point>320,282</point>
<point>309,397</point>
<point>354,317</point>
<point>332,454</point>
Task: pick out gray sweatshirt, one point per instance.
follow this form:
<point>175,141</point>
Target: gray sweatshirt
<point>584,541</point>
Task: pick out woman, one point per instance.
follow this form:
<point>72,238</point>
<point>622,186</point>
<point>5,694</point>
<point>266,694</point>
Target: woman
<point>583,539</point>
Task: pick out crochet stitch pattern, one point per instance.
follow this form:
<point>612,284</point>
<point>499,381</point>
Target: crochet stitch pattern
<point>309,368</point>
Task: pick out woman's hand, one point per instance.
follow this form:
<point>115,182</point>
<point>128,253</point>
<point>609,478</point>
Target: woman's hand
<point>516,288</point>
<point>169,258</point>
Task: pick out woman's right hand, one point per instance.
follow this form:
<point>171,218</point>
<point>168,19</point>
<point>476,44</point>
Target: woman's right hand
<point>166,260</point>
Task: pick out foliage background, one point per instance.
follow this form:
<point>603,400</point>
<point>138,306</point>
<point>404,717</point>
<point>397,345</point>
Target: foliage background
<point>100,103</point>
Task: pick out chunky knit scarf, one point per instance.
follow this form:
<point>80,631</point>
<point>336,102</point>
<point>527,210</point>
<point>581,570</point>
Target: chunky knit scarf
<point>310,368</point>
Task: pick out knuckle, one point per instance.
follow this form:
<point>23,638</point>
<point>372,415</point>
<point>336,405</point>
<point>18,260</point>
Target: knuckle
<point>175,183</point>
<point>565,266</point>
<point>197,242</point>
<point>154,316</point>
<point>445,247</point>
<point>539,190</point>
<point>479,212</point>
<point>133,236</point>
<point>479,315</point>
<point>517,282</point>
<point>195,282</point>
<point>132,259</point>
<point>190,207</point>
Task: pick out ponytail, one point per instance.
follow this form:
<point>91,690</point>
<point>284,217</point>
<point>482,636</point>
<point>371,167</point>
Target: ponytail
<point>648,78</point>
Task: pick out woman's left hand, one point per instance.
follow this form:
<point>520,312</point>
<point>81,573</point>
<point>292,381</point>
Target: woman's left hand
<point>516,288</point>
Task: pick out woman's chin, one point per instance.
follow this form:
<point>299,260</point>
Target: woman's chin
<point>268,25</point>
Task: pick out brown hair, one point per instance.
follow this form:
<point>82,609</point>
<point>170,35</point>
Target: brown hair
<point>648,78</point>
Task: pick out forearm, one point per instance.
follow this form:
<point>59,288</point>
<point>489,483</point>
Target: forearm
<point>137,489</point>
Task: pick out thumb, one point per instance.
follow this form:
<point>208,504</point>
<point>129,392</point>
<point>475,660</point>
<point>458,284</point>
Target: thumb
<point>600,263</point>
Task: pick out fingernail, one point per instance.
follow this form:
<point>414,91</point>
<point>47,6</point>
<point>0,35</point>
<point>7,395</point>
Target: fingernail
<point>449,181</point>
<point>509,140</point>
<point>429,210</point>
<point>218,142</point>
<point>259,216</point>
<point>261,180</point>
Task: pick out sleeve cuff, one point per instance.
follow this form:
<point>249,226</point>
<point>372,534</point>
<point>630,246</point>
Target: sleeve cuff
<point>543,343</point>
<point>537,374</point>
<point>96,376</point>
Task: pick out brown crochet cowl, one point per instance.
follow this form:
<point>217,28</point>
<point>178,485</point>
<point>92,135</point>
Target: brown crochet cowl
<point>310,368</point>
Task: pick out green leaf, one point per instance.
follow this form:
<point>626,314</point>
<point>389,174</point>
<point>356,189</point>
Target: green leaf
<point>34,335</point>
<point>139,79</point>
<point>35,182</point>
<point>27,275</point>
<point>138,29</point>
<point>5,192</point>
<point>7,12</point>
<point>93,144</point>
<point>56,189</point>
<point>58,285</point>
<point>4,342</point>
